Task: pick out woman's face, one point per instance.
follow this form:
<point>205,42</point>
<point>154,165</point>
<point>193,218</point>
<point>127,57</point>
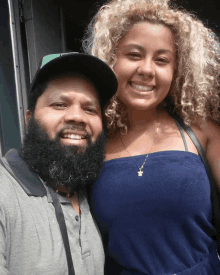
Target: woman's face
<point>145,66</point>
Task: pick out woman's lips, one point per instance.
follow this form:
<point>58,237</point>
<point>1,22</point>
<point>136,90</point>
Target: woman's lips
<point>140,88</point>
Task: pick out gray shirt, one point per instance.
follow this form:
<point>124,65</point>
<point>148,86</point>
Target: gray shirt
<point>30,238</point>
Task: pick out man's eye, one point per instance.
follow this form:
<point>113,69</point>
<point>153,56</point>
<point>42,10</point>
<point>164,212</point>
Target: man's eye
<point>58,105</point>
<point>91,110</point>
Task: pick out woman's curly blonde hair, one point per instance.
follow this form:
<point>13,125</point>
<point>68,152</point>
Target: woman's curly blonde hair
<point>194,92</point>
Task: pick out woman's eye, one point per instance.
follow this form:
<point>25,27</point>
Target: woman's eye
<point>134,55</point>
<point>162,61</point>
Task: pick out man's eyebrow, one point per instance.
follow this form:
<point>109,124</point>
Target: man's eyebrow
<point>61,96</point>
<point>93,103</point>
<point>56,96</point>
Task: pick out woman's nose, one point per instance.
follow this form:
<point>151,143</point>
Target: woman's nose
<point>146,68</point>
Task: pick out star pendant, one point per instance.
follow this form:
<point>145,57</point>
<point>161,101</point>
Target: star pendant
<point>140,173</point>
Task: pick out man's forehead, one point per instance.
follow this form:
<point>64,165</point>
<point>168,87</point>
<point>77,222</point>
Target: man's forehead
<point>60,86</point>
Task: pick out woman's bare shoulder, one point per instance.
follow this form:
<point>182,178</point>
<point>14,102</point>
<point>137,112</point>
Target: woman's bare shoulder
<point>208,131</point>
<point>211,131</point>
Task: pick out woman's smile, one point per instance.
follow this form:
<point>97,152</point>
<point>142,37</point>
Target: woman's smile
<point>142,88</point>
<point>145,66</point>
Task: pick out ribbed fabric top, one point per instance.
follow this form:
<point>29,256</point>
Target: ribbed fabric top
<point>160,223</point>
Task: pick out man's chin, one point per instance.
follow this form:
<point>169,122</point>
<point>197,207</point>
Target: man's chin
<point>73,147</point>
<point>82,143</point>
<point>77,147</point>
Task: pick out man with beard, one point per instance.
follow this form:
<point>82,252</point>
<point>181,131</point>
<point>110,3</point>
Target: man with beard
<point>45,223</point>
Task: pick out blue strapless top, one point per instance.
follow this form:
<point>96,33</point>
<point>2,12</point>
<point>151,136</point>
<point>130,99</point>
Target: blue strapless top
<point>160,223</point>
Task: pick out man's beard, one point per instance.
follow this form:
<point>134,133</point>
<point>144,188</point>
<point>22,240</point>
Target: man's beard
<point>60,165</point>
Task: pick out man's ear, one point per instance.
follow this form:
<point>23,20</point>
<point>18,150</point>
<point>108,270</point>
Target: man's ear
<point>27,117</point>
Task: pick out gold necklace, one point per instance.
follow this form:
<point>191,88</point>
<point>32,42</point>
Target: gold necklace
<point>140,169</point>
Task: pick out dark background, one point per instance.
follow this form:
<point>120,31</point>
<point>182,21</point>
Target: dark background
<point>79,13</point>
<point>30,37</point>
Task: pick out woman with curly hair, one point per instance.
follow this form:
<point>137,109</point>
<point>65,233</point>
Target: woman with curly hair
<point>152,199</point>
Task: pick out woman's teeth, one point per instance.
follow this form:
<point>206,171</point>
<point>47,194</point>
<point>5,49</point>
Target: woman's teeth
<point>142,87</point>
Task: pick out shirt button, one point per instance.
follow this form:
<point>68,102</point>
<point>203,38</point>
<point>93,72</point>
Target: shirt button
<point>77,218</point>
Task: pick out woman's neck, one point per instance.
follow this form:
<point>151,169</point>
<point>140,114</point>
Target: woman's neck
<point>141,120</point>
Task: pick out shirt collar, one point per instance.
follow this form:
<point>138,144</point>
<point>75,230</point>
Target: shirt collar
<point>49,197</point>
<point>28,180</point>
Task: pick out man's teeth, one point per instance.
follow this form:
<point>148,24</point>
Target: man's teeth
<point>72,136</point>
<point>142,88</point>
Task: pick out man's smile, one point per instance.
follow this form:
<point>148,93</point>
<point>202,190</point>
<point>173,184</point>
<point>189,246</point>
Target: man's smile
<point>73,136</point>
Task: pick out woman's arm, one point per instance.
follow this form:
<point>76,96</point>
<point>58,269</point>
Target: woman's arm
<point>212,149</point>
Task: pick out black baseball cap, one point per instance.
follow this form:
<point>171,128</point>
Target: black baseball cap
<point>97,71</point>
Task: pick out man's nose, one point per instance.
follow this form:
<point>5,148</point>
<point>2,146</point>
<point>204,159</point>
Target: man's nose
<point>75,114</point>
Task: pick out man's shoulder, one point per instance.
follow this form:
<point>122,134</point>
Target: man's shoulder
<point>22,174</point>
<point>8,183</point>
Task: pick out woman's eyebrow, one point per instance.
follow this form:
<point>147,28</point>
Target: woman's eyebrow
<point>140,48</point>
<point>132,45</point>
<point>165,51</point>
